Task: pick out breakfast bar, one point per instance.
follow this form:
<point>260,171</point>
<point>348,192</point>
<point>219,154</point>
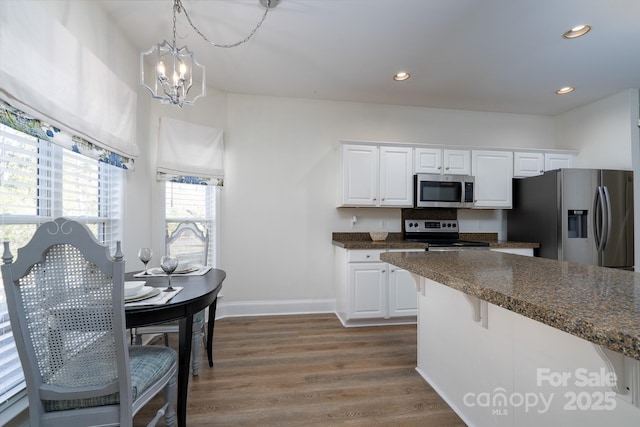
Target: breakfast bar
<point>510,340</point>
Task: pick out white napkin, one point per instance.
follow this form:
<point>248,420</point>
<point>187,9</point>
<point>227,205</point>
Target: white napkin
<point>162,298</point>
<point>157,272</point>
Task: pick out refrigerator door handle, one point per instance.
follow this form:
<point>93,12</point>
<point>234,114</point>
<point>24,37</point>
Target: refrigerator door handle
<point>598,214</point>
<point>607,219</point>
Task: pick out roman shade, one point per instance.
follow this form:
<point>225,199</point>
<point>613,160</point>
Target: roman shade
<point>187,150</point>
<point>46,72</point>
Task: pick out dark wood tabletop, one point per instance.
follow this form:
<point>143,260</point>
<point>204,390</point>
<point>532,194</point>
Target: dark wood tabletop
<point>198,293</point>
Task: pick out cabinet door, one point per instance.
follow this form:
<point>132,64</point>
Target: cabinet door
<point>367,282</point>
<point>493,171</point>
<point>403,296</point>
<point>359,175</point>
<point>428,160</point>
<point>457,162</point>
<point>396,177</point>
<point>528,164</point>
<point>557,161</point>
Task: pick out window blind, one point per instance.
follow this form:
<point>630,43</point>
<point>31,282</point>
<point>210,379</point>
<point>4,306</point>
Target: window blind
<point>40,181</point>
<point>196,203</point>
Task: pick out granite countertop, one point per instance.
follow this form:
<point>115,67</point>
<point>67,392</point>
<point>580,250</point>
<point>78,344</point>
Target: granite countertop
<point>396,241</point>
<point>600,305</point>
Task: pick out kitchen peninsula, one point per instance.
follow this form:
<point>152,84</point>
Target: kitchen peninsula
<point>509,340</point>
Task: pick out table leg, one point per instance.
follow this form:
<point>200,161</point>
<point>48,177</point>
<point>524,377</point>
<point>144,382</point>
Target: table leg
<point>210,325</point>
<point>184,359</point>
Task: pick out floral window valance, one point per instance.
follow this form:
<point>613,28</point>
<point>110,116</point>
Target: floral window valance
<point>20,121</point>
<point>184,179</point>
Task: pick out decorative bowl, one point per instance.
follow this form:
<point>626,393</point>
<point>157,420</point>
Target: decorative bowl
<point>378,236</point>
<point>132,288</point>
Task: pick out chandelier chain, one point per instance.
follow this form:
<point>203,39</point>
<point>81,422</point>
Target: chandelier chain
<point>180,8</point>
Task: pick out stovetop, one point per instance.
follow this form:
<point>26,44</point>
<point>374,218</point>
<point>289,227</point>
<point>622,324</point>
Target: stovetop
<point>437,233</point>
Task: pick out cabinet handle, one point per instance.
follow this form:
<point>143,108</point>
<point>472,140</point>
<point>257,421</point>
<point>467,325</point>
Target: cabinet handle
<point>384,271</point>
<point>541,171</point>
<point>368,256</point>
<point>439,167</point>
<point>447,168</point>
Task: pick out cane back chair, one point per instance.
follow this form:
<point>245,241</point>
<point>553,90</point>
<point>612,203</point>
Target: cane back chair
<point>190,245</point>
<point>65,295</point>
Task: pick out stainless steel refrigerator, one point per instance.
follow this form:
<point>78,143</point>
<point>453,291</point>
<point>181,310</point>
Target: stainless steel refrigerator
<point>578,215</point>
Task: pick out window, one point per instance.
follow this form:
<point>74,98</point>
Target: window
<point>193,202</point>
<point>40,181</point>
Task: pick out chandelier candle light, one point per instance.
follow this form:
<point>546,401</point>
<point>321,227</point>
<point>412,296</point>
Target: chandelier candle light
<point>176,67</point>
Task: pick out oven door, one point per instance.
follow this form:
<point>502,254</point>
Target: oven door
<point>443,191</point>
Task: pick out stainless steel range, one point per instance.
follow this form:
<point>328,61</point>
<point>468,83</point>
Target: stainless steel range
<point>441,235</point>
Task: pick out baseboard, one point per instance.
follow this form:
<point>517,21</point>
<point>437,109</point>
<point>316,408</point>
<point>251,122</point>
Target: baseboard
<point>272,308</point>
<point>445,397</point>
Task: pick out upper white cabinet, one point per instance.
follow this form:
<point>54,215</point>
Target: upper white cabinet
<point>381,175</point>
<point>493,171</point>
<point>536,163</point>
<point>442,161</point>
<point>377,176</point>
<point>558,161</point>
<point>396,177</point>
<point>359,175</point>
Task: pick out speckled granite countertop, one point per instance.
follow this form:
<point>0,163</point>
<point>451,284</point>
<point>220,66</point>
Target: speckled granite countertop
<point>396,241</point>
<point>601,305</point>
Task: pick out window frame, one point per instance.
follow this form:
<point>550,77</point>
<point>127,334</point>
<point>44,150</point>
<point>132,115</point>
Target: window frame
<point>50,161</point>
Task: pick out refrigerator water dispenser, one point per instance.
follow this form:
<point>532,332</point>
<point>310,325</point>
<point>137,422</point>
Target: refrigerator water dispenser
<point>577,224</point>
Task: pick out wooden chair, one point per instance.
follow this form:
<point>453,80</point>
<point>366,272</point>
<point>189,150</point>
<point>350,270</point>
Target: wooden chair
<point>190,245</point>
<point>65,295</point>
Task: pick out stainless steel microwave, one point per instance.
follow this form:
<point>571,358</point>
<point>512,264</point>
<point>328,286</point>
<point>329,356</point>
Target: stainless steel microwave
<point>443,191</point>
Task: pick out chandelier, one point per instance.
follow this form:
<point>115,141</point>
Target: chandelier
<point>176,68</point>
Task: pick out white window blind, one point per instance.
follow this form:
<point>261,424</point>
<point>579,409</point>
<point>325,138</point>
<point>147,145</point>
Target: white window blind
<point>40,181</point>
<point>193,202</point>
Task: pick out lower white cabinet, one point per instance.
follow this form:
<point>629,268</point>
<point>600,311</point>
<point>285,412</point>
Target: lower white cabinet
<point>371,291</point>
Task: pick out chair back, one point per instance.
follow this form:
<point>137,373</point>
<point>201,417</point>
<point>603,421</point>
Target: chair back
<point>65,295</point>
<point>188,243</point>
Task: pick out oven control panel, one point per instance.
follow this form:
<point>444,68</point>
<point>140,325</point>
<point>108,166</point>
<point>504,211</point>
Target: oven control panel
<point>431,226</point>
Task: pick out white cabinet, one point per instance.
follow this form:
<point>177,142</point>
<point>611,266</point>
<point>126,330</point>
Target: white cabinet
<point>536,163</point>
<point>370,291</point>
<point>396,177</point>
<point>367,290</point>
<point>359,175</point>
<point>528,164</point>
<point>442,161</point>
<point>377,176</point>
<point>402,293</point>
<point>493,172</point>
<point>558,161</point>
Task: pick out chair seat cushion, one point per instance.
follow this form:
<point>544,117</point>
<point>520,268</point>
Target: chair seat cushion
<point>148,363</point>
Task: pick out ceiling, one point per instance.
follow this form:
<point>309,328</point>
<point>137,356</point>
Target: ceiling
<point>482,55</point>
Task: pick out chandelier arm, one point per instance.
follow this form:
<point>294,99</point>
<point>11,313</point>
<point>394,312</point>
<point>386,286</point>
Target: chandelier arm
<point>180,8</point>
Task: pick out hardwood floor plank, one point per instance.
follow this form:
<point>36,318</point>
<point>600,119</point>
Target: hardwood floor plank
<point>307,370</point>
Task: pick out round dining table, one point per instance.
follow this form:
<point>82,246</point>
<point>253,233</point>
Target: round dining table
<point>199,291</point>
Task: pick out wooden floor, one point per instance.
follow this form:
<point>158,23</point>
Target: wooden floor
<point>307,370</point>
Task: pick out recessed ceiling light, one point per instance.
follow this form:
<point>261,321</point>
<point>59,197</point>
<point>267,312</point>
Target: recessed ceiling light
<point>565,90</point>
<point>401,76</point>
<point>576,32</point>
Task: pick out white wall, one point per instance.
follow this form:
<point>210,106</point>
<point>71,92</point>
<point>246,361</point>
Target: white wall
<point>602,132</point>
<point>281,181</point>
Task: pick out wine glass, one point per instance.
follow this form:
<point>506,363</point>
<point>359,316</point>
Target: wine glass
<point>169,265</point>
<point>145,256</point>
